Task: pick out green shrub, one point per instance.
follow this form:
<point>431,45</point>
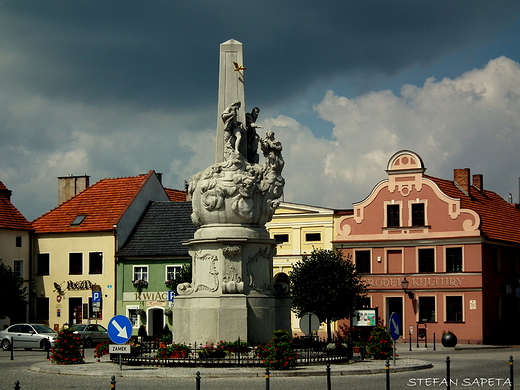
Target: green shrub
<point>278,354</point>
<point>379,344</point>
<point>67,349</point>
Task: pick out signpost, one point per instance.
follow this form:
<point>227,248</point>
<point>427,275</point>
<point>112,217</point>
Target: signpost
<point>119,331</point>
<point>395,329</point>
<point>309,323</point>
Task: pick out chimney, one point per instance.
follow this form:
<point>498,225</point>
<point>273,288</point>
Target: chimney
<point>69,186</point>
<point>478,182</point>
<point>461,179</point>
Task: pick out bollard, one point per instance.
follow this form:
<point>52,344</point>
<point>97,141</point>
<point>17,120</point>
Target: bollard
<point>197,381</point>
<point>12,348</point>
<point>448,386</point>
<point>267,378</point>
<point>113,382</point>
<point>387,369</point>
<point>328,377</point>
<point>17,385</point>
<point>83,348</point>
<point>434,342</point>
<point>511,375</point>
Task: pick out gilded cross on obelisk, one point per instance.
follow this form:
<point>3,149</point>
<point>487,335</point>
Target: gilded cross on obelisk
<point>230,89</point>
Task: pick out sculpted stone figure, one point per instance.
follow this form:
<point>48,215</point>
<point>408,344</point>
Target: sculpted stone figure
<point>252,136</point>
<point>232,127</point>
<point>272,149</point>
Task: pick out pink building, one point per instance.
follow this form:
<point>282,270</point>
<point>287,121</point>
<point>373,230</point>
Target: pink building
<point>456,244</point>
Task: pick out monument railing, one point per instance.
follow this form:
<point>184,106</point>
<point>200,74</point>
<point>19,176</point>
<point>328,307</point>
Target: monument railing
<point>207,355</point>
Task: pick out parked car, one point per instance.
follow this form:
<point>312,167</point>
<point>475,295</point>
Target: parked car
<point>91,334</point>
<point>28,336</point>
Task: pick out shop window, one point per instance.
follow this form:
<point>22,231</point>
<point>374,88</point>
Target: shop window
<point>95,263</point>
<point>75,263</point>
<point>417,214</point>
<point>363,262</point>
<point>454,309</point>
<point>453,259</point>
<point>42,264</point>
<point>309,237</point>
<point>426,260</point>
<point>134,318</point>
<point>18,268</point>
<point>141,273</point>
<point>392,215</point>
<point>281,238</point>
<point>427,309</point>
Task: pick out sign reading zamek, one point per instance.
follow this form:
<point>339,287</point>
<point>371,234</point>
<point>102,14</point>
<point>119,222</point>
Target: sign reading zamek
<point>417,281</point>
<point>146,296</point>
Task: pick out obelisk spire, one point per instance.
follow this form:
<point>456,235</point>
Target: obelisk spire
<point>230,89</point>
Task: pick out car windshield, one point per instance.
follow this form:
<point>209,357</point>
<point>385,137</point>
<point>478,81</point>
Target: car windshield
<point>43,329</point>
<point>78,327</point>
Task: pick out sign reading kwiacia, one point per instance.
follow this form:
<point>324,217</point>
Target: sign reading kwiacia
<point>146,296</point>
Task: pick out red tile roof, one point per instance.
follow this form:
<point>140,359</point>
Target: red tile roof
<point>103,204</point>
<point>175,195</point>
<point>10,217</point>
<point>499,220</point>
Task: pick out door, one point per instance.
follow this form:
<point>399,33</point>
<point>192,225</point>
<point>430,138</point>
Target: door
<point>394,305</point>
<point>75,311</point>
<point>157,322</point>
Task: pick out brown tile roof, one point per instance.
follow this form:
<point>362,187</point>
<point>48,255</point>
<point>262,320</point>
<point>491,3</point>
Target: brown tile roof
<point>175,195</point>
<point>103,204</point>
<point>10,217</point>
<point>499,220</point>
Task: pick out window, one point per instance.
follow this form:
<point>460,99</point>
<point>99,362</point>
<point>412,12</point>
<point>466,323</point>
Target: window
<point>172,271</point>
<point>392,215</point>
<point>454,309</point>
<point>75,263</point>
<point>427,309</point>
<point>427,260</point>
<point>95,263</point>
<point>132,315</point>
<point>281,238</point>
<point>312,237</point>
<point>453,259</point>
<point>363,262</point>
<point>42,264</point>
<point>18,268</point>
<point>19,242</point>
<point>417,214</point>
<point>77,221</point>
<point>141,273</point>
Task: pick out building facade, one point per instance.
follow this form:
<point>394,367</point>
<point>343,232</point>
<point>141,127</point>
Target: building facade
<point>454,244</point>
<point>75,248</point>
<point>15,248</point>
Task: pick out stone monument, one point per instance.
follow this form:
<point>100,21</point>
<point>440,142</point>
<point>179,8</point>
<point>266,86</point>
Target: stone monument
<point>232,293</point>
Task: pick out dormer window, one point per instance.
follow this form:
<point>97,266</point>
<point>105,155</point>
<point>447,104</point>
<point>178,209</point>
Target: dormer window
<point>77,221</point>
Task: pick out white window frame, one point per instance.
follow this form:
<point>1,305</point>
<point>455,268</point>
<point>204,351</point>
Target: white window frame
<point>178,268</point>
<point>145,274</point>
<point>132,307</point>
<point>21,270</point>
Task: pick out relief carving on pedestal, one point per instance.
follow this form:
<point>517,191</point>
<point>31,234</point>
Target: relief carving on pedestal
<point>258,270</point>
<point>232,280</point>
<point>207,274</point>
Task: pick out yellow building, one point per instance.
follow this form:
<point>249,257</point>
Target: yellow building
<point>75,246</point>
<point>298,229</point>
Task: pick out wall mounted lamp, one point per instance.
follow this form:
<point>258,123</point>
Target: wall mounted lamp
<point>404,284</point>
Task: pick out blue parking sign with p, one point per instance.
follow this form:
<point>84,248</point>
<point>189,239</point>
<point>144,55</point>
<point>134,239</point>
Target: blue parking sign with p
<point>171,296</point>
<point>96,296</point>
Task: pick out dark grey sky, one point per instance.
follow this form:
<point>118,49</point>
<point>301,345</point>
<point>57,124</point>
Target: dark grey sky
<point>113,88</point>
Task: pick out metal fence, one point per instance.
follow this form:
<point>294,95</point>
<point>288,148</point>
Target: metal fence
<point>201,355</point>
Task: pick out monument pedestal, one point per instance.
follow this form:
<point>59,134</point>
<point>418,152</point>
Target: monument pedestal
<point>232,294</point>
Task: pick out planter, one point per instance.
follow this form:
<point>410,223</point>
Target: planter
<point>449,340</point>
<point>357,349</point>
<point>179,355</point>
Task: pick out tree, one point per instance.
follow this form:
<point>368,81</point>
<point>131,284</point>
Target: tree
<point>326,284</point>
<point>12,292</point>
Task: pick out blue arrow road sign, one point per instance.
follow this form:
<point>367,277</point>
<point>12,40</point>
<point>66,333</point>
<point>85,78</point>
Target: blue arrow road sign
<point>119,329</point>
<point>395,326</point>
<point>171,296</point>
<point>96,296</point>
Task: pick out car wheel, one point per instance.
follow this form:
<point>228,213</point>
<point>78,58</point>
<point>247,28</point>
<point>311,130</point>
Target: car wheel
<point>6,345</point>
<point>45,345</point>
<point>88,343</point>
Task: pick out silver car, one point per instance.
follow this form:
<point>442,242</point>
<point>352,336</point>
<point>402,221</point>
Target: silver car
<point>90,334</point>
<point>28,336</point>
